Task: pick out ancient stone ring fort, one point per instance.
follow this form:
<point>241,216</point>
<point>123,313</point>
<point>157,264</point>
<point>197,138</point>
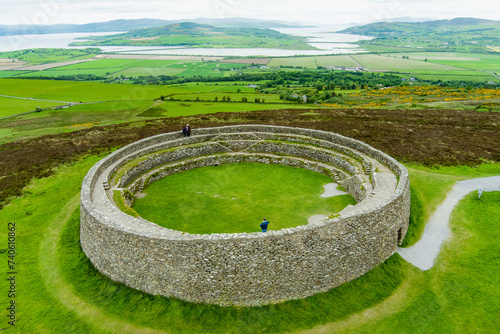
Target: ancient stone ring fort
<point>244,268</point>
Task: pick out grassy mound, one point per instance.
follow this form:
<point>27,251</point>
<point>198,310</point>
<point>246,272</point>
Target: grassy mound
<point>58,289</point>
<point>140,309</point>
<point>234,198</point>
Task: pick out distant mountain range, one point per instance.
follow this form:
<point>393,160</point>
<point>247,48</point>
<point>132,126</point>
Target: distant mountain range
<point>464,34</point>
<point>461,24</point>
<point>130,25</point>
<point>404,19</point>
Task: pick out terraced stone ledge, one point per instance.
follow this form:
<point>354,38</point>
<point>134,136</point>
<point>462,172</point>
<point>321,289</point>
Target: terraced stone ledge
<point>245,268</point>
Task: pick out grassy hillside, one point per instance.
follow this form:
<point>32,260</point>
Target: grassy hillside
<point>58,289</point>
<point>134,24</point>
<point>461,34</point>
<point>201,35</point>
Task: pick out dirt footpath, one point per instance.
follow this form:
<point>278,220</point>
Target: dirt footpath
<point>425,251</point>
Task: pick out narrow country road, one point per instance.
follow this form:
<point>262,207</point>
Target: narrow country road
<point>32,99</point>
<point>425,251</point>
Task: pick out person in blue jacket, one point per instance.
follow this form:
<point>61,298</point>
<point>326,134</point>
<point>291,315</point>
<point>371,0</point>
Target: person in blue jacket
<point>264,224</point>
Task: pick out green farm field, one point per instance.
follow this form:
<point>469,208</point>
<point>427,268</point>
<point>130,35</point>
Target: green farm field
<point>485,64</point>
<point>442,55</point>
<point>181,68</point>
<point>105,104</point>
<point>387,63</point>
<point>96,92</point>
<point>308,62</point>
<point>473,61</point>
<point>90,115</point>
<point>60,71</point>
<point>217,87</point>
<point>134,68</point>
<point>121,63</point>
<point>313,62</point>
<point>12,106</point>
<point>43,56</point>
<point>72,91</point>
<point>145,71</point>
<point>430,65</point>
<point>182,109</point>
<point>71,119</point>
<point>8,74</point>
<point>344,60</point>
<point>77,91</point>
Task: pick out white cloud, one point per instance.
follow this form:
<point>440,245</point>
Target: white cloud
<point>312,11</point>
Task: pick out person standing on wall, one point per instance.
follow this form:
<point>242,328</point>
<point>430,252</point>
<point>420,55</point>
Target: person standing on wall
<point>263,225</point>
<point>186,131</point>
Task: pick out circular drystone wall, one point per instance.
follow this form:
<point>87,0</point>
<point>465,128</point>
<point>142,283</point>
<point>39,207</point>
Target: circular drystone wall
<point>244,269</point>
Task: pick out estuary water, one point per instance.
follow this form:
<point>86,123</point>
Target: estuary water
<point>21,42</point>
<point>323,38</point>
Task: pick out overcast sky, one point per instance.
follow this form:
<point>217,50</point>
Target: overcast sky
<point>321,12</point>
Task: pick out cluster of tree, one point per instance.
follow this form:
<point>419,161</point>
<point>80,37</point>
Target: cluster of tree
<point>311,95</point>
<point>244,99</point>
<point>291,85</point>
<point>466,84</point>
<point>326,79</point>
<point>298,67</point>
<point>342,79</point>
<point>224,99</point>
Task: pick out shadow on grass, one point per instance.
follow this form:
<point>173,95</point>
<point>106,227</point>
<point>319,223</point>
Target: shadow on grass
<point>417,224</point>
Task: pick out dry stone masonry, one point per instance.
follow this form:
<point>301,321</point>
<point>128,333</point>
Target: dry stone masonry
<point>244,269</point>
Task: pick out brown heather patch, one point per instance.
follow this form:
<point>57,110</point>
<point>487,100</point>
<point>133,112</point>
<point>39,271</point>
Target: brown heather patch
<point>429,137</point>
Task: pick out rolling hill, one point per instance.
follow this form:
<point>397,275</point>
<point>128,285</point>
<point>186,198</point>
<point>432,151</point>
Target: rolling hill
<point>193,34</point>
<point>460,34</point>
<point>129,25</point>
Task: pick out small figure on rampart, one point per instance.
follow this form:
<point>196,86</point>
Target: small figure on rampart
<point>186,131</point>
<point>264,224</point>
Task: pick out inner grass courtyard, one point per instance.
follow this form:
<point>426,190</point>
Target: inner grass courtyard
<point>235,197</point>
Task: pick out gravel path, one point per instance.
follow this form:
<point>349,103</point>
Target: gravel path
<point>425,251</point>
<point>331,190</point>
<point>33,99</point>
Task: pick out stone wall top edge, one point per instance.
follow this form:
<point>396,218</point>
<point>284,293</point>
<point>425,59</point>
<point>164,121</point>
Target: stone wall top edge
<point>272,128</point>
<point>225,129</point>
<point>166,233</point>
<point>133,227</point>
<point>281,129</point>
